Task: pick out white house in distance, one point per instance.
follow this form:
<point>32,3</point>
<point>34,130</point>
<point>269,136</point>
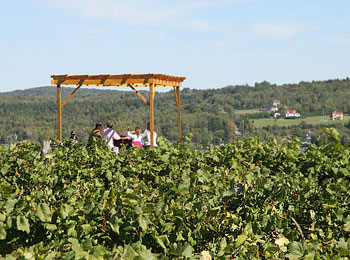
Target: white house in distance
<point>337,116</point>
<point>275,103</point>
<point>272,109</point>
<point>273,106</point>
<point>292,114</point>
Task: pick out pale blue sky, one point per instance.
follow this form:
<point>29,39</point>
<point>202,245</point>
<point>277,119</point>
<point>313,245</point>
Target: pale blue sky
<point>214,43</point>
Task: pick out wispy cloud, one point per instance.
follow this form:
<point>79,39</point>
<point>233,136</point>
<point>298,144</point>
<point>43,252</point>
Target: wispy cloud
<point>282,30</point>
<point>204,25</point>
<point>134,12</point>
<point>339,41</point>
<point>145,12</point>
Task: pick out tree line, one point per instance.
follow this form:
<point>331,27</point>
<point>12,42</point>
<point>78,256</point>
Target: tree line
<point>210,115</point>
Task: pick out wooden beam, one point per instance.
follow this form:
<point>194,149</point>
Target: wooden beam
<point>109,82</point>
<point>121,76</point>
<point>125,80</point>
<point>151,101</point>
<point>139,94</point>
<point>70,96</point>
<point>154,92</point>
<point>117,80</point>
<point>59,114</point>
<point>103,79</point>
<point>177,98</point>
<point>60,79</point>
<point>82,79</point>
<point>147,78</point>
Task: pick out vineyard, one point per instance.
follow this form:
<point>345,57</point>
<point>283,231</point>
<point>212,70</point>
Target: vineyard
<point>247,200</point>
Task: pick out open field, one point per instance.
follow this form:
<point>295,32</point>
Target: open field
<point>315,120</point>
<point>247,111</point>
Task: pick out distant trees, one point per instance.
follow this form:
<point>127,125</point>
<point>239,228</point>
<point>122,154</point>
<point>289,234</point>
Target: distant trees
<point>31,113</point>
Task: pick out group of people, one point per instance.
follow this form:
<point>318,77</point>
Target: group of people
<point>109,136</point>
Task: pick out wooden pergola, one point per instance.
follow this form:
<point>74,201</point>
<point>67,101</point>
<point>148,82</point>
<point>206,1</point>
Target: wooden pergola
<point>125,80</point>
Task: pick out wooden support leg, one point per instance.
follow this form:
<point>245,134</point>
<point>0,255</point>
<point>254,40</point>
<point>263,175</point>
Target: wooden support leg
<point>151,110</point>
<point>177,98</point>
<point>70,96</point>
<point>59,114</point>
<point>139,94</point>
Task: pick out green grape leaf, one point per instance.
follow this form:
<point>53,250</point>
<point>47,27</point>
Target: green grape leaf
<point>43,212</point>
<point>240,240</point>
<point>23,224</point>
<point>3,232</point>
<point>78,250</point>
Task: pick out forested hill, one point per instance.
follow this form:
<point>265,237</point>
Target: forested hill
<point>208,114</point>
<point>49,91</point>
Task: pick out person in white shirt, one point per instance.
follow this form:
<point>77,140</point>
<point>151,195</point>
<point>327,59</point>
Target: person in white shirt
<point>109,135</point>
<point>147,136</point>
<point>136,137</point>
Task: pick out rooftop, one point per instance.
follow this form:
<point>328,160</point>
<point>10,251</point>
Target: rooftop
<point>123,80</point>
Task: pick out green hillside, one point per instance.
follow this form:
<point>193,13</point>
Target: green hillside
<point>211,115</point>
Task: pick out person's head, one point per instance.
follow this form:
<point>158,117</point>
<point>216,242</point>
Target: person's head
<point>149,127</point>
<point>73,133</point>
<point>98,126</point>
<point>110,124</point>
<point>137,130</point>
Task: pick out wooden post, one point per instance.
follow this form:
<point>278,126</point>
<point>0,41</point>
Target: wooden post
<point>151,108</point>
<point>59,114</point>
<point>177,98</point>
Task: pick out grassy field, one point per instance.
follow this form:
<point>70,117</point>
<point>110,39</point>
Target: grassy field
<point>247,111</point>
<point>315,120</point>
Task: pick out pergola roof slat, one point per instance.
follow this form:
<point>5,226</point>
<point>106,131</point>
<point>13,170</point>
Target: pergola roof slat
<point>123,80</point>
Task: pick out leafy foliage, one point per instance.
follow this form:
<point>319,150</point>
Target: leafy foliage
<point>246,200</point>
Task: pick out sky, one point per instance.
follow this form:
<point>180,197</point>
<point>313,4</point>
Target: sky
<point>213,43</point>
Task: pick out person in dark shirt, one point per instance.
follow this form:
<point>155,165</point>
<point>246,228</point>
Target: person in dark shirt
<point>95,133</point>
<point>74,137</point>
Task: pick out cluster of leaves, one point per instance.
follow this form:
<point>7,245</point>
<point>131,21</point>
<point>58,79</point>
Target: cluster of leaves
<point>246,200</point>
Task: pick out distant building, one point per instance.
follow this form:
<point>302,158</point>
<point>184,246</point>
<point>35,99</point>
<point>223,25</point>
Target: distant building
<point>292,114</point>
<point>273,107</point>
<point>276,115</point>
<point>308,137</point>
<point>337,116</point>
<point>275,103</point>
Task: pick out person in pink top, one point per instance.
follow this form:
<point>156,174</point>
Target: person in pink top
<point>136,137</point>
